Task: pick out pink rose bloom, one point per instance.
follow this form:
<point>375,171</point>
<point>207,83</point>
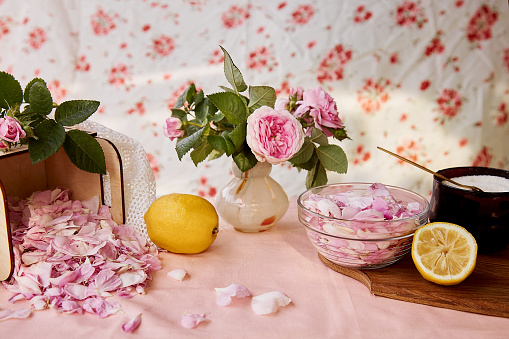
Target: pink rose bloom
<point>322,109</point>
<point>171,128</point>
<point>11,130</point>
<point>282,104</point>
<point>273,136</point>
<point>297,92</point>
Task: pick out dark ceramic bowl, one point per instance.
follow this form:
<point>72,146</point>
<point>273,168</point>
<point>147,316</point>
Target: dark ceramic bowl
<point>484,214</point>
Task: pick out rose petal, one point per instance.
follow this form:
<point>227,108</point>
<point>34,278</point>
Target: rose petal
<point>132,325</point>
<point>269,302</point>
<point>192,320</point>
<point>224,295</point>
<point>17,314</point>
<point>177,274</point>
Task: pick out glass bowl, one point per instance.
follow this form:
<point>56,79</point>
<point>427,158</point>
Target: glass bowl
<point>362,244</point>
<point>484,214</point>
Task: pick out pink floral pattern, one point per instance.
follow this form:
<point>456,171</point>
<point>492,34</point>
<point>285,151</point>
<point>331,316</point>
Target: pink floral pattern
<point>407,93</point>
<point>332,65</point>
<point>410,13</point>
<point>480,25</point>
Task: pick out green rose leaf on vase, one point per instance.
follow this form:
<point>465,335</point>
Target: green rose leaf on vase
<point>232,73</point>
<point>261,96</point>
<point>231,105</point>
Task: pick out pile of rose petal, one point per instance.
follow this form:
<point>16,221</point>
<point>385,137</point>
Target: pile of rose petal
<point>357,220</point>
<point>70,255</point>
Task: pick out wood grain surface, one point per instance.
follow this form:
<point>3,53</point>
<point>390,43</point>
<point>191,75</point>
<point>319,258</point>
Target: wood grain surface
<point>485,291</point>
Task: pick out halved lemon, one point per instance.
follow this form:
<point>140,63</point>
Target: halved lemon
<point>444,253</point>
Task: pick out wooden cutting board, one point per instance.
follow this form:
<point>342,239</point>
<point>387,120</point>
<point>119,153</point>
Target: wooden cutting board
<point>485,291</point>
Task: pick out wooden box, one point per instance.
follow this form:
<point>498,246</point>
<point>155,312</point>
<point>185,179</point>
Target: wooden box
<point>20,178</point>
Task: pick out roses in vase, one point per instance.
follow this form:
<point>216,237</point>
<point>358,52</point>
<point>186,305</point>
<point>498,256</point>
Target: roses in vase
<point>259,127</point>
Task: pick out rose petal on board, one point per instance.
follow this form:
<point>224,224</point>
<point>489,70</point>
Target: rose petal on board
<point>224,295</point>
<point>177,274</point>
<point>17,314</point>
<point>190,320</point>
<point>269,302</point>
<point>131,325</point>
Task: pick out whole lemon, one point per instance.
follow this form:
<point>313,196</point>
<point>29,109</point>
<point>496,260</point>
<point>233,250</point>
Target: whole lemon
<point>182,223</point>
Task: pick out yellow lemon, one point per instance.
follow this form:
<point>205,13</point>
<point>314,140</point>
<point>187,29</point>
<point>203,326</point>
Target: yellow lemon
<point>182,223</point>
<point>444,253</point>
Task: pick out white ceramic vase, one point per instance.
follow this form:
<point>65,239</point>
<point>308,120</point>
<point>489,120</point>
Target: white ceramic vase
<point>252,201</point>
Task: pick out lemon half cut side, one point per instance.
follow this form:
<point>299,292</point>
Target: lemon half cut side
<point>444,253</point>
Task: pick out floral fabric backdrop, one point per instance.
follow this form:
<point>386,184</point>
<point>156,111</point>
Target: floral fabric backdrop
<point>426,79</point>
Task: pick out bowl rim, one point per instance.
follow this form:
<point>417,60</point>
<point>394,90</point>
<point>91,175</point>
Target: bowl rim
<point>440,182</point>
<point>417,216</point>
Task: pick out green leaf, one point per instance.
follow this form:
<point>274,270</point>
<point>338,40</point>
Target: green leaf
<point>261,96</point>
<point>304,154</point>
<point>245,159</point>
<point>227,89</point>
<point>40,98</point>
<point>188,95</point>
<point>201,152</point>
<point>85,152</point>
<point>217,117</point>
<point>233,108</point>
<point>317,136</point>
<point>230,147</point>
<point>198,98</point>
<point>70,113</point>
<point>217,142</point>
<point>215,154</point>
<point>10,91</point>
<point>29,85</point>
<point>333,158</point>
<point>238,135</point>
<point>317,176</point>
<point>204,109</point>
<point>179,113</point>
<point>51,136</point>
<point>184,145</point>
<point>233,74</point>
<point>308,165</point>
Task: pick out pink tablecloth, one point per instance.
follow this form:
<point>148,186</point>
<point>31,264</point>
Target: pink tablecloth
<point>325,304</point>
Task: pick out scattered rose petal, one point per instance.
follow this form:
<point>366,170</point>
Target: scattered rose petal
<point>224,295</point>
<point>269,302</point>
<point>132,325</point>
<point>17,314</point>
<point>192,320</point>
<point>177,274</point>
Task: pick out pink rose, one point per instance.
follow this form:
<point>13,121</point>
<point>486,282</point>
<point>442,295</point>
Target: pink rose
<point>11,130</point>
<point>273,136</point>
<point>297,92</point>
<point>172,128</point>
<point>321,107</point>
<point>282,104</point>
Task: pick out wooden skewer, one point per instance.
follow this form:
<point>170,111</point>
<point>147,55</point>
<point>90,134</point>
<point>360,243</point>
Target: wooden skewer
<point>472,188</point>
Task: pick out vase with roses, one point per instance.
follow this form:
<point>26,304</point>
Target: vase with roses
<point>258,130</point>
